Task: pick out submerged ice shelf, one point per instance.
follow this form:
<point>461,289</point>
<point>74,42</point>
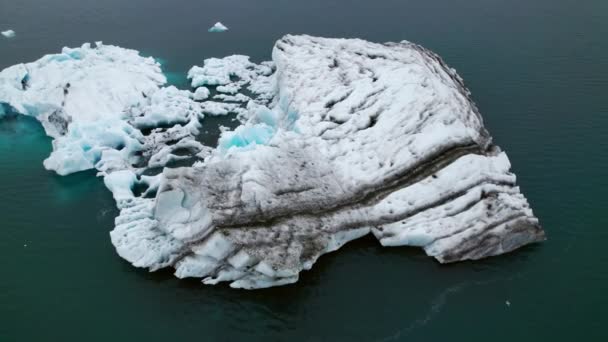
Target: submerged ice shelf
<point>339,138</point>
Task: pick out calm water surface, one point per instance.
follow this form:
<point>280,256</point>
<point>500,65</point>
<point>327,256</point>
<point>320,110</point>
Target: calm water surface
<point>538,71</point>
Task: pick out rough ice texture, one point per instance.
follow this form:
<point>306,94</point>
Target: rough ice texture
<point>97,102</point>
<point>80,97</point>
<point>222,71</point>
<point>361,138</point>
<point>340,138</point>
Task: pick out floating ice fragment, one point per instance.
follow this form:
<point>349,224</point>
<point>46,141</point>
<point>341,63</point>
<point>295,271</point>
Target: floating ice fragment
<point>201,93</point>
<point>232,98</point>
<point>219,71</point>
<point>8,33</point>
<point>218,27</point>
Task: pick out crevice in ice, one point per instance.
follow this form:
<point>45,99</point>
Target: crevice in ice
<point>332,102</point>
<point>25,81</point>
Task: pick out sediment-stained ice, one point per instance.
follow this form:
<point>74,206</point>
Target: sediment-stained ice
<point>339,138</point>
<point>360,138</point>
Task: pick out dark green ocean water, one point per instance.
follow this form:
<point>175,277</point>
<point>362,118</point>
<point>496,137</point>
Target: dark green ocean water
<point>538,70</point>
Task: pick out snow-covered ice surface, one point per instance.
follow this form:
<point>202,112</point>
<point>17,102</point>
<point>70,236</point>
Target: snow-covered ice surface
<point>218,27</point>
<point>82,96</point>
<point>8,33</point>
<point>339,138</point>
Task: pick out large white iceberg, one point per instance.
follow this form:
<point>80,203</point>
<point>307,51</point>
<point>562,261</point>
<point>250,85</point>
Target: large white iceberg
<point>340,138</point>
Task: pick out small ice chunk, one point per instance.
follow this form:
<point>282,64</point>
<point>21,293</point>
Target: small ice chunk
<point>244,136</point>
<point>218,108</point>
<point>218,27</point>
<point>201,93</point>
<point>232,98</point>
<point>230,88</point>
<point>11,33</point>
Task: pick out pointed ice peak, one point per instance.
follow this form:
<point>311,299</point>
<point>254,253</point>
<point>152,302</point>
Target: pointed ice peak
<point>11,33</point>
<point>218,27</point>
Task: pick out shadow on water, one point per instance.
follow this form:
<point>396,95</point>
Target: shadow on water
<point>77,186</point>
<point>355,284</point>
<point>210,133</point>
<point>15,126</point>
<point>359,280</point>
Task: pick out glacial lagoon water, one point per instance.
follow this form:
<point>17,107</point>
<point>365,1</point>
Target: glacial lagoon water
<point>538,71</point>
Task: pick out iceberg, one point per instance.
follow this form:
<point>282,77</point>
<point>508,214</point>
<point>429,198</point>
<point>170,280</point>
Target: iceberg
<point>105,108</point>
<point>80,97</point>
<point>8,33</point>
<point>218,27</point>
<point>339,138</point>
